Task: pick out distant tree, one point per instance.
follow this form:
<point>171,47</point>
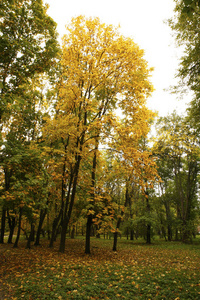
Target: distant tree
<point>178,145</point>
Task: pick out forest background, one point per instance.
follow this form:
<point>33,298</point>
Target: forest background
<point>76,157</point>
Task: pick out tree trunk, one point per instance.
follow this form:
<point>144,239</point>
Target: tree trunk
<point>42,217</point>
<point>19,229</point>
<point>148,234</point>
<point>88,234</point>
<point>115,241</point>
<point>127,234</point>
<point>11,222</point>
<point>90,216</point>
<point>169,232</point>
<point>132,235</point>
<point>33,234</point>
<point>67,214</point>
<point>72,232</point>
<point>60,215</point>
<point>54,228</point>
<point>3,225</point>
<point>7,176</point>
<point>63,235</point>
<point>120,218</point>
<point>28,245</point>
<point>48,227</point>
<point>191,194</point>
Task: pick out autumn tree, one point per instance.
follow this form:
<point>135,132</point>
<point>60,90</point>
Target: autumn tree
<point>137,163</point>
<point>102,71</point>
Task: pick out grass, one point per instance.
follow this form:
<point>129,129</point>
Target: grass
<point>162,270</point>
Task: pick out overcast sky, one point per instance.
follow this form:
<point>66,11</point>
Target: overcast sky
<point>144,22</point>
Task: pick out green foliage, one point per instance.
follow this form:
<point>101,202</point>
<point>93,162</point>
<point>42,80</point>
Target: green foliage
<point>185,25</point>
<point>27,46</point>
<point>178,165</point>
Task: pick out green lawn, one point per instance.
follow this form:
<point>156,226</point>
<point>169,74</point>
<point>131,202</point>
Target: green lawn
<point>162,270</point>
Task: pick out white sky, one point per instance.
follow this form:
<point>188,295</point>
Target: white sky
<point>142,20</point>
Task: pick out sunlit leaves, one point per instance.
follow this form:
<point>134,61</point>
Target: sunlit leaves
<point>102,72</point>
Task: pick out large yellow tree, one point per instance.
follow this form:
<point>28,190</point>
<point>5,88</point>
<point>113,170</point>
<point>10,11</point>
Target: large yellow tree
<point>103,73</point>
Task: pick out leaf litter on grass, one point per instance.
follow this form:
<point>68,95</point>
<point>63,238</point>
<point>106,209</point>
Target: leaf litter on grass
<point>131,273</point>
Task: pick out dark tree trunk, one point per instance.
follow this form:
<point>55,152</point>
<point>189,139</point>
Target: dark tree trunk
<point>73,232</point>
<point>148,233</point>
<point>120,218</point>
<point>60,215</point>
<point>7,174</point>
<point>90,216</point>
<point>48,227</point>
<point>11,222</point>
<point>132,235</point>
<point>30,239</point>
<point>63,235</point>
<point>88,234</point>
<point>127,234</point>
<point>169,232</point>
<point>3,226</point>
<point>33,234</point>
<point>42,217</point>
<point>19,229</point>
<point>116,233</point>
<point>115,241</point>
<point>54,229</point>
<point>67,213</point>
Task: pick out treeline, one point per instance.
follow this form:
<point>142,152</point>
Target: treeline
<point>74,154</point>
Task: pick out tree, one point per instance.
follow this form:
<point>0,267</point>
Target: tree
<point>138,165</point>
<point>186,27</point>
<point>102,71</point>
<point>28,49</point>
<point>166,190</point>
<point>178,145</point>
<point>27,45</point>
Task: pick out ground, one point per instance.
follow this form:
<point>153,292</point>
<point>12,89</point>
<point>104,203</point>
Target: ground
<point>162,270</point>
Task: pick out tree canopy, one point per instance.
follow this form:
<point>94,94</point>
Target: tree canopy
<point>75,154</point>
<point>28,46</point>
<point>185,25</point>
